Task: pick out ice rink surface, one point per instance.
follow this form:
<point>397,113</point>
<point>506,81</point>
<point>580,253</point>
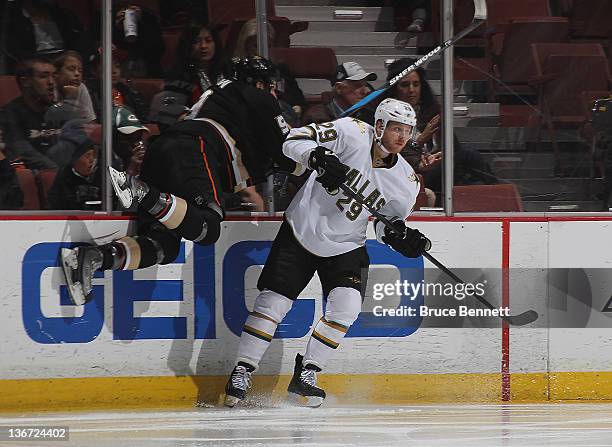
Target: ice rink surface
<point>583,425</point>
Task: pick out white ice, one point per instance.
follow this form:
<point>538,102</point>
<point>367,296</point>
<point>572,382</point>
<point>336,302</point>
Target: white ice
<point>583,425</point>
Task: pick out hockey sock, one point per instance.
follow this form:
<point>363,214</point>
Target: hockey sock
<point>325,338</point>
<point>343,307</point>
<point>201,225</point>
<point>131,253</point>
<point>269,310</point>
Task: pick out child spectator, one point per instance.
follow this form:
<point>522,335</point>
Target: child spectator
<point>72,94</point>
<point>77,185</point>
<point>123,92</point>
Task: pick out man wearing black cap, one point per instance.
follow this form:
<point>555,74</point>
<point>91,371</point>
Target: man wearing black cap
<point>350,85</point>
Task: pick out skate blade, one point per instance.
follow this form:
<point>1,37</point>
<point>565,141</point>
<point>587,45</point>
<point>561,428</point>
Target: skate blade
<point>304,401</point>
<point>124,194</point>
<point>70,263</point>
<point>231,401</point>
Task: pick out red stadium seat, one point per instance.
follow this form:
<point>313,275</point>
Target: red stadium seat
<point>235,13</point>
<point>224,12</point>
<point>171,41</point>
<point>591,19</point>
<point>511,57</point>
<point>304,62</point>
<point>487,198</point>
<point>9,89</point>
<point>564,72</point>
<point>499,13</point>
<point>148,87</point>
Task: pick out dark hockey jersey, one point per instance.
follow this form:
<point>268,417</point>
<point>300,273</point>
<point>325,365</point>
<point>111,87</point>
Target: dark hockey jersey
<point>254,120</point>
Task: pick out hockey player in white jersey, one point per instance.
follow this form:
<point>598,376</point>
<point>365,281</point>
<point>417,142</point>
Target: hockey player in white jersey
<point>324,231</point>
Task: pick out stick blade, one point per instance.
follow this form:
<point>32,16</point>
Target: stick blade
<point>522,319</point>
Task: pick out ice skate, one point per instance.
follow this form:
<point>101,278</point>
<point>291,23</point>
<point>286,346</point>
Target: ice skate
<point>303,390</point>
<point>128,188</point>
<point>238,384</point>
<point>79,265</point>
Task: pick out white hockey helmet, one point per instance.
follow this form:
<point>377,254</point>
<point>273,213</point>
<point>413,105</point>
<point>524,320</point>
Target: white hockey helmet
<point>393,110</point>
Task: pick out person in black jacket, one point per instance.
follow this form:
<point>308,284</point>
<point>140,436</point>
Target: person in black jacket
<point>231,139</point>
<point>41,28</point>
<point>32,124</point>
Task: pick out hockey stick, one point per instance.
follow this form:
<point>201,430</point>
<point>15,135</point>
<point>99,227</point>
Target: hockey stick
<point>522,319</point>
<point>480,15</point>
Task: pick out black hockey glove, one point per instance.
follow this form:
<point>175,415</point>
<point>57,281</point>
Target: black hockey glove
<point>407,241</point>
<point>331,171</point>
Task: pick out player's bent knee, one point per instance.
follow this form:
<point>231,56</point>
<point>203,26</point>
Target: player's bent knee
<point>273,305</point>
<point>168,248</point>
<point>343,305</point>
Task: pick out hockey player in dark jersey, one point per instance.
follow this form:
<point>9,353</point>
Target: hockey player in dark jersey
<point>229,141</point>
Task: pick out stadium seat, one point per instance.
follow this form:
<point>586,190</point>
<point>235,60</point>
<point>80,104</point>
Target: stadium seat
<point>499,13</point>
<point>564,72</point>
<point>487,198</point>
<point>171,41</point>
<point>511,57</point>
<point>148,87</point>
<point>9,89</point>
<point>305,62</point>
<point>85,10</point>
<point>45,179</point>
<point>224,12</point>
<point>590,19</point>
<point>235,13</point>
<point>27,183</point>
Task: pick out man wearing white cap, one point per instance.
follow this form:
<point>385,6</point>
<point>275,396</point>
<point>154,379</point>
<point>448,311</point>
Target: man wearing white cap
<point>350,84</point>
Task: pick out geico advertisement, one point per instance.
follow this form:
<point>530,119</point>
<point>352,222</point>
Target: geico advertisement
<point>203,288</point>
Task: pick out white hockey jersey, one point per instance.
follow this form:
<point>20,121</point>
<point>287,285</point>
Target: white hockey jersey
<point>329,225</point>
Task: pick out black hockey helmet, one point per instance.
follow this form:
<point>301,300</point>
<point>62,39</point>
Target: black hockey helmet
<point>252,70</point>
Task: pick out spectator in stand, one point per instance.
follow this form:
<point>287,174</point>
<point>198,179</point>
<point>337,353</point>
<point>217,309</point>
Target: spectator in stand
<point>128,141</point>
<point>72,93</point>
<point>425,154</point>
<point>145,48</point>
<point>350,85</point>
<point>200,63</point>
<point>40,27</point>
<point>77,185</point>
<point>11,196</point>
<point>30,135</point>
<point>419,11</point>
<point>287,91</point>
<point>123,92</point>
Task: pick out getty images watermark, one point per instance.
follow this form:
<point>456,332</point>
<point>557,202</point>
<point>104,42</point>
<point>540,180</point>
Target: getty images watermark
<point>413,291</point>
